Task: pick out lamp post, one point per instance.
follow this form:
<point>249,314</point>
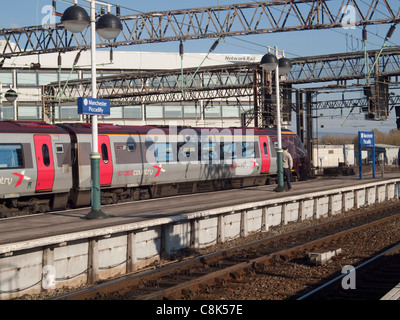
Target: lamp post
<point>76,19</point>
<point>269,62</point>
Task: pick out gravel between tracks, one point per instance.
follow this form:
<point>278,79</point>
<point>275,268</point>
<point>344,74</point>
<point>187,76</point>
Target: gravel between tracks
<point>277,284</point>
<point>286,279</point>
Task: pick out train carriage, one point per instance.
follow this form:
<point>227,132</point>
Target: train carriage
<point>35,167</point>
<point>48,166</point>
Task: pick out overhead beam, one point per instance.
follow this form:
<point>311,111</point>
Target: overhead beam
<point>221,81</point>
<point>207,22</point>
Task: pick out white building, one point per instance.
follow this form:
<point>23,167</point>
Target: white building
<point>327,156</point>
<point>390,152</point>
<point>26,75</point>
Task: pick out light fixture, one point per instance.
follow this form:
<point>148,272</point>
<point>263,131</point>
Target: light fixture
<point>108,26</point>
<point>75,19</point>
<point>11,95</point>
<point>269,62</point>
<point>285,65</point>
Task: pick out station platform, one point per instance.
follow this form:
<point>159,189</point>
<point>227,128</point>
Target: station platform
<point>393,294</point>
<point>50,224</point>
<point>137,234</point>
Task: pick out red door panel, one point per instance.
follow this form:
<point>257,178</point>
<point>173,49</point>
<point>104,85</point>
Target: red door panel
<point>45,163</point>
<point>265,154</point>
<point>106,167</point>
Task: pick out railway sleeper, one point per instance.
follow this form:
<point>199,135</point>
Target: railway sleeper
<point>236,276</point>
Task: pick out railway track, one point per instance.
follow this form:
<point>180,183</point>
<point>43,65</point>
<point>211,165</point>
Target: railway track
<point>371,279</point>
<point>201,277</point>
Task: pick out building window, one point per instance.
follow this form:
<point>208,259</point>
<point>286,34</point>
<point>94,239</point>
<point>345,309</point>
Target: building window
<point>173,112</point>
<point>191,112</point>
<point>230,111</point>
<point>154,112</point>
<point>68,112</point>
<point>46,78</point>
<point>6,78</point>
<point>27,79</point>
<point>29,113</point>
<point>212,112</point>
<point>133,112</point>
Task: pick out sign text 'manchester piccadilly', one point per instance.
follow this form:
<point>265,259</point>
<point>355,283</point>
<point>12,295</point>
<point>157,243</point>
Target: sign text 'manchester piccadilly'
<point>366,139</point>
<point>92,106</point>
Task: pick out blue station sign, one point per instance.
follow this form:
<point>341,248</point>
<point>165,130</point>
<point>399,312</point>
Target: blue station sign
<point>366,139</point>
<point>92,106</point>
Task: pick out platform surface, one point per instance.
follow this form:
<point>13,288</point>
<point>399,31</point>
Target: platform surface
<point>62,222</point>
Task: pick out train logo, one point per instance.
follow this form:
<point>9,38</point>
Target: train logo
<point>159,169</point>
<point>21,176</point>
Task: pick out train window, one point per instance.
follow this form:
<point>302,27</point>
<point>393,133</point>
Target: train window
<point>228,150</point>
<point>59,148</point>
<point>46,155</point>
<point>163,152</point>
<point>11,156</point>
<point>104,153</point>
<point>209,151</point>
<point>131,146</point>
<point>265,149</point>
<point>248,150</point>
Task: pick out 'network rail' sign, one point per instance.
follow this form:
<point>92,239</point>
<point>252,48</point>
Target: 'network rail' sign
<point>95,107</point>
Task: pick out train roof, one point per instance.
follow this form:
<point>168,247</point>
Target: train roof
<point>105,128</point>
<point>30,127</point>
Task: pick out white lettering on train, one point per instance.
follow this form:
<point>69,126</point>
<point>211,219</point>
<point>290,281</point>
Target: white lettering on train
<point>6,180</point>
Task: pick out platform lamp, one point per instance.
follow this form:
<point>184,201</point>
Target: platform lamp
<point>11,95</point>
<point>75,19</point>
<point>269,62</point>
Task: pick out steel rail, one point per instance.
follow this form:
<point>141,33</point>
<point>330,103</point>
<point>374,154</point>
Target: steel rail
<point>257,263</point>
<point>229,272</point>
<point>360,266</point>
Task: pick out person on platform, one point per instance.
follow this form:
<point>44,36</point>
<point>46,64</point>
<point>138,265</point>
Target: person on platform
<point>287,167</point>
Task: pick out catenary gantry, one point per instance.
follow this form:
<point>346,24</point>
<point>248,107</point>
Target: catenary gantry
<point>207,22</point>
<point>240,80</point>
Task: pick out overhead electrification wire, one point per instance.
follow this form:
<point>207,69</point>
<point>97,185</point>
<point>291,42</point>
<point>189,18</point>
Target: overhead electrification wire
<point>388,36</point>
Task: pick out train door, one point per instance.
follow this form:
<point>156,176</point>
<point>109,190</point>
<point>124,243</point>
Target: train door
<point>106,167</point>
<point>265,154</point>
<point>45,163</point>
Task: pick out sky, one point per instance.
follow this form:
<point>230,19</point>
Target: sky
<point>295,44</point>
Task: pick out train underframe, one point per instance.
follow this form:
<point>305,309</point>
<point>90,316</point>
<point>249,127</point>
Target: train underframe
<point>76,198</point>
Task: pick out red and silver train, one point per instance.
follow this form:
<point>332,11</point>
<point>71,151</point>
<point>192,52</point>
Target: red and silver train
<point>46,167</point>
